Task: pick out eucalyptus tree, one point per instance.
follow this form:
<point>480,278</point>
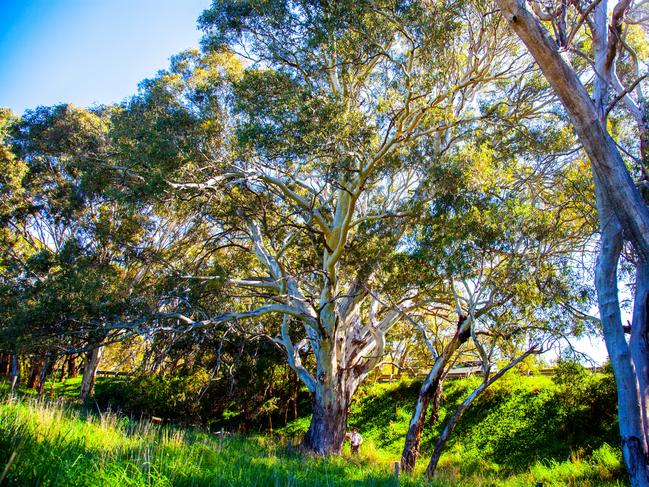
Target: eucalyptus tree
<point>501,258</point>
<point>321,155</point>
<point>607,36</point>
<point>72,250</point>
<point>510,298</point>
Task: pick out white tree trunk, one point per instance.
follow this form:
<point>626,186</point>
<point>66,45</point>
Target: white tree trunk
<point>620,208</point>
<point>90,372</point>
<point>632,433</point>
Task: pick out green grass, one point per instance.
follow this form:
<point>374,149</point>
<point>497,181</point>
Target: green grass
<point>49,443</point>
<point>52,443</point>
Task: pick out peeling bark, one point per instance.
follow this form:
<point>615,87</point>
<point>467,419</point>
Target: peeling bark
<point>328,425</point>
<point>429,390</point>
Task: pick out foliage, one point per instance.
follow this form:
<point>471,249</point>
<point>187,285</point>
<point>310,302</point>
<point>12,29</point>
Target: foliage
<point>245,387</point>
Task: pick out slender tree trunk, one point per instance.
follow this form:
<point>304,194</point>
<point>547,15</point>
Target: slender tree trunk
<point>436,403</point>
<point>48,362</point>
<point>412,444</point>
<point>90,372</point>
<point>402,359</point>
<point>624,209</point>
<point>5,363</point>
<point>15,372</point>
<point>62,370</point>
<point>462,408</point>
<point>638,341</point>
<point>429,389</point>
<point>450,426</point>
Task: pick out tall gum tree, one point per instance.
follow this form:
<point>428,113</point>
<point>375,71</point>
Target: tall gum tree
<point>337,121</point>
<point>623,214</point>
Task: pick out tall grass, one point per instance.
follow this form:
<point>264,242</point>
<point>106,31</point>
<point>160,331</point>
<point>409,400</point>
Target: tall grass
<point>50,443</point>
<point>55,444</point>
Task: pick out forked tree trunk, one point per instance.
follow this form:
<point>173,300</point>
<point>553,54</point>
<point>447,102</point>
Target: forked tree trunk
<point>624,210</point>
<point>429,390</point>
<point>90,372</point>
<point>462,408</point>
<point>629,403</point>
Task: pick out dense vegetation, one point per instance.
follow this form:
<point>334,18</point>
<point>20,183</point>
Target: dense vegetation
<point>558,430</point>
<point>325,190</point>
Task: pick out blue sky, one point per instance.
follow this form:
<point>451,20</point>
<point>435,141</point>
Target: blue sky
<point>88,51</point>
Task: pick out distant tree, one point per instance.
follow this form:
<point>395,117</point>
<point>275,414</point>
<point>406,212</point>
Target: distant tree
<point>74,250</point>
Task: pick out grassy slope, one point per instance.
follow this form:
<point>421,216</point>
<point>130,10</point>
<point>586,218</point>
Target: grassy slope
<point>525,429</point>
<point>62,445</point>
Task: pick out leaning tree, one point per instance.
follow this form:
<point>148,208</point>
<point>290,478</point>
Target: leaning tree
<point>606,36</point>
<point>499,255</point>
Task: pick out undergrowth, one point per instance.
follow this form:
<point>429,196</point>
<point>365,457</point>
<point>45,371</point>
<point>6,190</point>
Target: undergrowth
<point>44,442</point>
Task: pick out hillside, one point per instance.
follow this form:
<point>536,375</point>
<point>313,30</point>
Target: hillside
<point>524,430</point>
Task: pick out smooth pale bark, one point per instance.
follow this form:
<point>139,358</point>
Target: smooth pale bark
<point>462,408</point>
<point>90,372</point>
<point>633,438</point>
<point>638,340</point>
<point>621,210</point>
<point>605,158</point>
<point>15,372</point>
<point>429,390</point>
<point>604,42</point>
